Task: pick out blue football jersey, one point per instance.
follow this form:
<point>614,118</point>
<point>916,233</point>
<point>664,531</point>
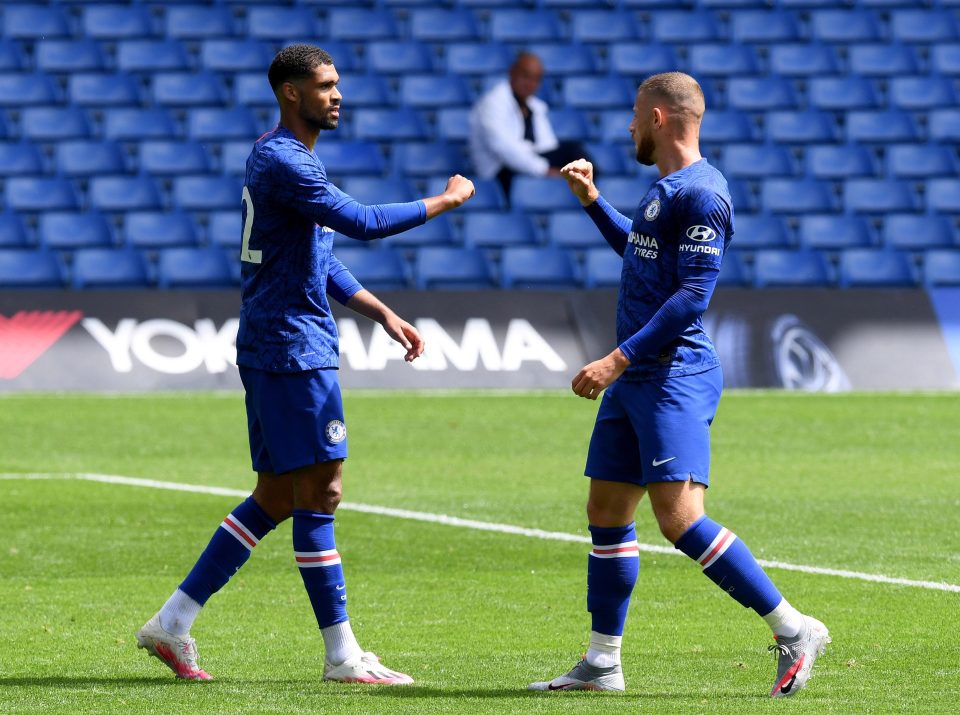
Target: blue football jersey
<point>680,231</point>
<point>290,211</point>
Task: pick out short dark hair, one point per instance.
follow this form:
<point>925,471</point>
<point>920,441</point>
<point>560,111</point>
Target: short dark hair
<point>296,62</point>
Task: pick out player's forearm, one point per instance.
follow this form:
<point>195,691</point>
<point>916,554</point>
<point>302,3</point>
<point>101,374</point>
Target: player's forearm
<point>675,315</point>
<point>369,306</point>
<point>440,203</point>
<point>365,223</point>
<point>613,225</point>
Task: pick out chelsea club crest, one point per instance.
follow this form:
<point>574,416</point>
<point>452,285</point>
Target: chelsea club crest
<point>652,210</point>
<point>336,431</point>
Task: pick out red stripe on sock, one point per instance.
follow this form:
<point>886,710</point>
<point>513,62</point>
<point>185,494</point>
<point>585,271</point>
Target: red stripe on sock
<point>239,532</point>
<point>717,548</point>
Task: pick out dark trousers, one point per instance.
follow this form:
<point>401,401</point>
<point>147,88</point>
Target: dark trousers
<point>558,158</point>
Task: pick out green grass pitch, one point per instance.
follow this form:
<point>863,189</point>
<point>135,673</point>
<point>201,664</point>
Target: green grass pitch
<point>867,483</point>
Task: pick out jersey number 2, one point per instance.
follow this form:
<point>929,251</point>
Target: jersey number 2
<point>245,253</point>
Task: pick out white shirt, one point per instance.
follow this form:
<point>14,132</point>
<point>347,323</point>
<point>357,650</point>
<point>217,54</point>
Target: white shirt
<point>496,134</point>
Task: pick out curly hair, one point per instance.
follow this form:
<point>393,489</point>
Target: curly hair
<point>296,62</point>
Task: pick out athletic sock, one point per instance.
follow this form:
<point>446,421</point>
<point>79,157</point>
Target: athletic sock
<point>727,562</point>
<point>228,550</point>
<point>604,650</point>
<point>784,620</point>
<point>612,569</point>
<point>316,552</point>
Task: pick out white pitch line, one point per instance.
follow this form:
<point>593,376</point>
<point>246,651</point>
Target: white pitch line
<point>478,525</point>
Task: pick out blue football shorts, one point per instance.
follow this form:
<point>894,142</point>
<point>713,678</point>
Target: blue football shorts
<point>655,431</point>
<point>295,419</point>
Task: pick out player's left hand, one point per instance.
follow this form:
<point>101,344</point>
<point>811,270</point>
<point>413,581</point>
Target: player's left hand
<point>405,334</point>
<point>598,375</point>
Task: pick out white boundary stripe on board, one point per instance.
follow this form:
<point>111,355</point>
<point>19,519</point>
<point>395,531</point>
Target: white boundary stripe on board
<point>477,525</point>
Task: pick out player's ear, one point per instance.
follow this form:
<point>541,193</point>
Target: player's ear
<point>290,91</point>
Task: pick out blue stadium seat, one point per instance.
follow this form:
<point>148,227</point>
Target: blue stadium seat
<point>377,270</point>
<point>485,229</point>
<point>875,268</point>
<point>478,58</point>
<point>561,59</point>
<point>427,159</point>
<point>722,60</point>
<point>390,57</point>
<point>637,60</point>
<point>764,93</point>
<point>370,190</point>
<point>450,268</point>
<point>434,91</point>
<point>598,92</point>
<point>536,267</point>
<point>196,22</point>
<point>103,90</point>
<point>82,157</point>
<point>602,268</point>
<point>109,268</point>
<point>741,194</point>
<point>224,228</point>
<point>435,232</point>
<point>235,55</point>
<point>833,231</point>
<point>608,159</point>
<point>13,232</point>
<point>349,157</point>
<point>684,27</point>
<point>878,196</point>
<point>763,26</point>
<point>882,126</point>
<point>943,125</point>
<point>206,192</point>
<point>115,21</point>
<point>188,89</point>
<point>524,25</point>
<point>159,229</point>
<point>54,123</point>
<point>29,268</point>
<point>733,271</point>
<point>622,192</point>
<point>124,193</point>
<point>18,89</point>
<point>535,193</point>
<point>838,161</point>
<point>453,124</point>
<point>602,26</point>
<point>436,24</point>
<point>11,58</point>
<point>251,89</point>
<point>943,195</point>
<point>403,124</point>
<point>923,92</point>
<point>34,22</point>
<point>39,193</point>
<point>360,24</point>
<point>20,158</point>
<point>796,196</point>
<point>570,124</point>
<point>756,160</point>
<point>882,60</point>
<point>945,58</point>
<point>845,26</point>
<point>719,126</point>
<point>221,124</point>
<point>803,60</point>
<point>790,268</point>
<point>152,55</point>
<point>81,55</point>
<point>193,268</point>
<point>941,267</point>
<point>574,229</point>
<point>489,194</point>
<point>276,23</point>
<point>67,230</point>
<point>365,90</point>
<point>133,124</point>
<point>920,161</point>
<point>923,26</point>
<point>162,157</point>
<point>805,127</point>
<point>760,231</point>
<point>842,93</point>
<point>917,231</point>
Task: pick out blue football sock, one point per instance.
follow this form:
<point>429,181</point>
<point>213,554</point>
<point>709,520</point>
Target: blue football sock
<point>316,553</point>
<point>612,569</point>
<point>727,562</point>
<point>228,550</point>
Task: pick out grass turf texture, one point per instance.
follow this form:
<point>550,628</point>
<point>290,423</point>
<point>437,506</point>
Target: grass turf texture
<point>860,482</point>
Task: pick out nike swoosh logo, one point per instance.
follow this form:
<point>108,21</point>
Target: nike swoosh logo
<point>551,686</point>
<point>788,686</point>
<point>340,588</point>
<point>658,462</point>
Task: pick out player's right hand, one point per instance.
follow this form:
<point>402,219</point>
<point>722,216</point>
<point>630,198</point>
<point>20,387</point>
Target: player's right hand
<point>459,189</point>
<point>579,176</point>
